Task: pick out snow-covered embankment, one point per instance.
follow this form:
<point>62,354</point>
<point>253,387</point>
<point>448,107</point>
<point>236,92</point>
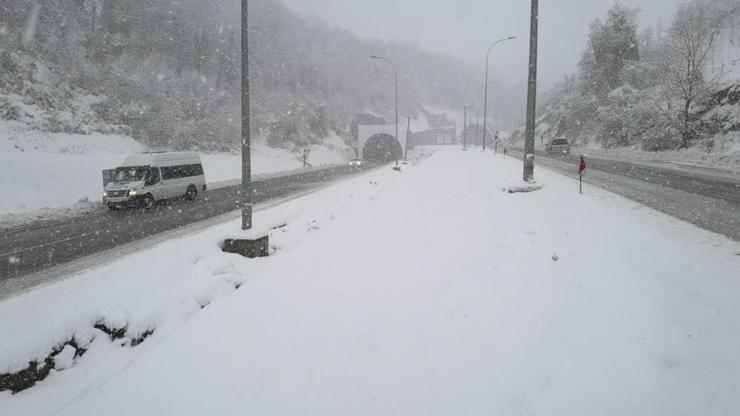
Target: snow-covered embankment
<point>430,291</point>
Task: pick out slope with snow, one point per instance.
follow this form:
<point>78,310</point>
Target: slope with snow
<point>429,291</point>
<point>41,170</point>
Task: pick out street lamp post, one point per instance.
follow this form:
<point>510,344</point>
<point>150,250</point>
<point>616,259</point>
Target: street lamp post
<point>251,244</point>
<point>477,109</point>
<point>485,102</point>
<point>395,72</point>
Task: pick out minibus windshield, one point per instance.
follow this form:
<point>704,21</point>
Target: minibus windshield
<point>130,174</point>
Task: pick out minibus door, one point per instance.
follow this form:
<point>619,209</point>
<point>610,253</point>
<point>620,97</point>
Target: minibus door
<point>153,183</point>
<point>108,176</point>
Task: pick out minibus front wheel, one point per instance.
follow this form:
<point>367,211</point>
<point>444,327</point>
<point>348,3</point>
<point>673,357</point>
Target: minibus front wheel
<point>148,201</point>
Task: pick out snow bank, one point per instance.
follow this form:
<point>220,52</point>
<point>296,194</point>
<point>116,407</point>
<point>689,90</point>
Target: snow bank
<point>228,166</point>
<point>47,170</point>
<point>428,292</point>
<point>43,171</point>
<point>726,157</point>
<point>32,181</point>
<point>524,187</point>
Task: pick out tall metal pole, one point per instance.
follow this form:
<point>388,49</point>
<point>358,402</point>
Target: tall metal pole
<point>408,137</point>
<point>477,109</point>
<point>395,72</point>
<point>531,95</point>
<point>397,138</point>
<point>465,127</point>
<point>246,188</point>
<point>485,108</point>
<point>477,123</point>
<point>485,99</point>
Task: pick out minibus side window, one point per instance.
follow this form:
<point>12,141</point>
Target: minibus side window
<point>181,171</point>
<point>152,177</point>
<point>167,173</point>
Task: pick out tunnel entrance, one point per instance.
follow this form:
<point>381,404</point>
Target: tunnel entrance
<point>382,148</point>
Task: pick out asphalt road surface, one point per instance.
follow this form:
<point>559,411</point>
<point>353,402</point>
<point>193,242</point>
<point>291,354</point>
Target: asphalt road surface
<point>31,248</point>
<point>705,197</point>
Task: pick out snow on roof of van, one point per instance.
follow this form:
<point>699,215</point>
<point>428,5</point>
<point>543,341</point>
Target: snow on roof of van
<point>147,159</point>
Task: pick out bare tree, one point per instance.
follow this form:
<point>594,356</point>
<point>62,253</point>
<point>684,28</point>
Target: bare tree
<point>683,66</point>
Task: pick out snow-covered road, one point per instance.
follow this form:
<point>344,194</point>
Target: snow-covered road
<point>431,292</point>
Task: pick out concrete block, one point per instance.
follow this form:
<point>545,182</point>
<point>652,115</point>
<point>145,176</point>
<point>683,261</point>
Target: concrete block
<point>251,248</point>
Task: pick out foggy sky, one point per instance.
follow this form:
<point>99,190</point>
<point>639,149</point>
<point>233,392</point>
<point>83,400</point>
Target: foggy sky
<point>465,28</point>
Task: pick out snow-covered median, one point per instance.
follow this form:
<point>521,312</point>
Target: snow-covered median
<point>429,291</point>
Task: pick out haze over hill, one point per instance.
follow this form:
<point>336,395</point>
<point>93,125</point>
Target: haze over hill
<point>167,72</point>
<point>465,28</point>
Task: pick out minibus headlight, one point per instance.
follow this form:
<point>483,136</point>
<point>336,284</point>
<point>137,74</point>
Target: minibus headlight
<point>132,192</point>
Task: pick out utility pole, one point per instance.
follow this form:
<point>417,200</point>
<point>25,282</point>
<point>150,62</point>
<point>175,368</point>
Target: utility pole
<point>246,188</point>
<point>531,95</point>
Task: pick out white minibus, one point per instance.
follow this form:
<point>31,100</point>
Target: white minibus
<point>149,177</point>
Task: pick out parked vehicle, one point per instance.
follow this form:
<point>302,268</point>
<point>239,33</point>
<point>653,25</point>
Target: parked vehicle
<point>146,178</point>
<point>558,147</point>
<point>356,163</point>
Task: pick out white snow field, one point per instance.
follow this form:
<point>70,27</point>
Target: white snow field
<point>41,171</point>
<point>426,292</point>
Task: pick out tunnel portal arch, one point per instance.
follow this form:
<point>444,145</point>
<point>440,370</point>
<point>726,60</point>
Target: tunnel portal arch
<point>382,147</point>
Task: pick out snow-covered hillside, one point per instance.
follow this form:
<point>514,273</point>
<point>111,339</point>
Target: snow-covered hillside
<point>54,143</point>
<point>676,94</point>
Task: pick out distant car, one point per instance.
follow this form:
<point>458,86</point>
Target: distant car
<point>356,163</point>
<point>558,147</point>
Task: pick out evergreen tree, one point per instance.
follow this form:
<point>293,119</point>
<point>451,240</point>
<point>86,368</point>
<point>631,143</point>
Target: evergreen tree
<point>611,45</point>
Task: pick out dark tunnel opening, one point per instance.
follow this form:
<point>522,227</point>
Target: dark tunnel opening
<point>382,148</point>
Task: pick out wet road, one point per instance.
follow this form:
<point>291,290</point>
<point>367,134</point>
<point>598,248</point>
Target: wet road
<point>709,199</point>
<point>31,248</point>
<point>723,187</point>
